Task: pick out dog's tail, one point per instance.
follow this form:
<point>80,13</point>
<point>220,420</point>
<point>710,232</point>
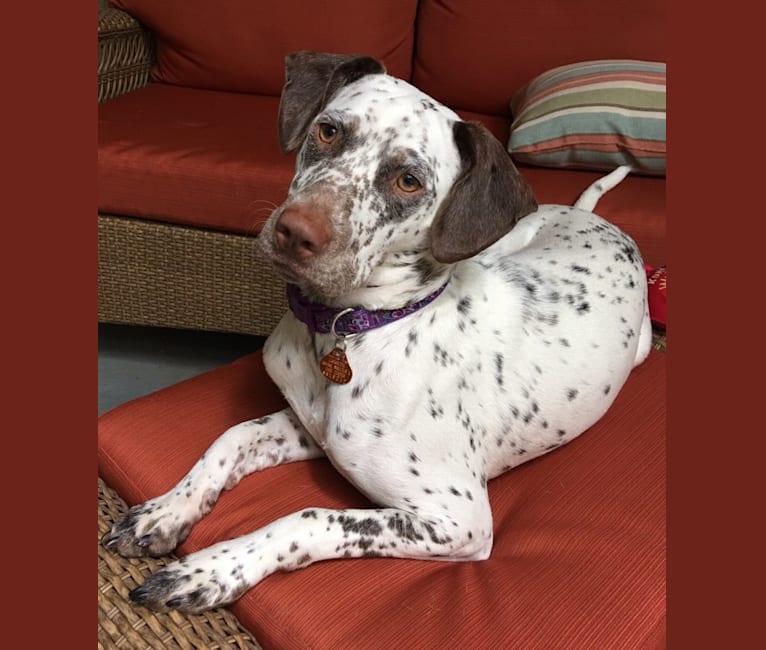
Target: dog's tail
<point>590,197</point>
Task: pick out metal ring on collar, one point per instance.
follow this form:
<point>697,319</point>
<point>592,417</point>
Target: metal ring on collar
<point>348,310</point>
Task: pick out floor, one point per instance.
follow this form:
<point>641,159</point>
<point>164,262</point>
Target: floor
<point>134,361</point>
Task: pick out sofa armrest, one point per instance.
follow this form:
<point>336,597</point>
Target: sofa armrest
<point>125,54</point>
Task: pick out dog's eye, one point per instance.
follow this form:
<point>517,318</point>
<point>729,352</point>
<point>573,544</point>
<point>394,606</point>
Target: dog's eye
<point>408,183</point>
<point>327,132</point>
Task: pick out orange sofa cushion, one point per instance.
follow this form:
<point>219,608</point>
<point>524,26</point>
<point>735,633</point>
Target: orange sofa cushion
<point>474,56</point>
<point>579,555</point>
<point>211,159</point>
<point>240,45</point>
<point>195,157</point>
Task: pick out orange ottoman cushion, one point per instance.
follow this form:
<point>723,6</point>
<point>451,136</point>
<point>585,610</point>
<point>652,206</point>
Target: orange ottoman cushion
<point>579,555</point>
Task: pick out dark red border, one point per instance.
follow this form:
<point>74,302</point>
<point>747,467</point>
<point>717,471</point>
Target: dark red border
<point>49,321</point>
<point>715,332</point>
<point>714,349</point>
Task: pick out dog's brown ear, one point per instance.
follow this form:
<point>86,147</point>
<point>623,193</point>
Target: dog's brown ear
<point>485,202</point>
<point>311,79</point>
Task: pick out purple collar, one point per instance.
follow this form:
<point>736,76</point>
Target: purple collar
<point>319,318</point>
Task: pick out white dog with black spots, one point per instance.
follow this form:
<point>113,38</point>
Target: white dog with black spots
<point>444,329</point>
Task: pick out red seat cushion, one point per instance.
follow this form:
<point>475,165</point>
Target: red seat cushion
<point>579,555</point>
<point>212,159</point>
<point>195,157</point>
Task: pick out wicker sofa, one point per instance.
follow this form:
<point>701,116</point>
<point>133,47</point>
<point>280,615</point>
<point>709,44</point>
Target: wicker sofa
<point>155,273</point>
<point>189,168</point>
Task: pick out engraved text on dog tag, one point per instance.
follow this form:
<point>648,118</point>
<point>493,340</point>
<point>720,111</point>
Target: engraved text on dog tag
<point>335,366</point>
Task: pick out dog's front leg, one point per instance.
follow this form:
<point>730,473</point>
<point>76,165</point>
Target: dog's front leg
<point>157,526</point>
<point>222,573</point>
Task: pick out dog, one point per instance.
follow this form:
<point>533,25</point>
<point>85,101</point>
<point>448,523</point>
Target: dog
<point>443,329</point>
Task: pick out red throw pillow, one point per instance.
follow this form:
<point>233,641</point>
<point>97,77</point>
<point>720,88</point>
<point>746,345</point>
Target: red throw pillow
<point>657,280</point>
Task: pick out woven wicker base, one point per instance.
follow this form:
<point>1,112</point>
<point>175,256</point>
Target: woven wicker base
<point>126,626</point>
<point>162,275</point>
<point>125,54</point>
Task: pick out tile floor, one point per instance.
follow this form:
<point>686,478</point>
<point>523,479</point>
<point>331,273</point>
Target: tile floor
<point>134,361</point>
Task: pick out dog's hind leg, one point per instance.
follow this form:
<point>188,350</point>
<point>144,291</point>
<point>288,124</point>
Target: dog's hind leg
<point>644,339</point>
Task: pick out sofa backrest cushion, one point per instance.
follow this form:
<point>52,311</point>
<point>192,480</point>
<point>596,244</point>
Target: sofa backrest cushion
<point>475,54</point>
<point>240,45</point>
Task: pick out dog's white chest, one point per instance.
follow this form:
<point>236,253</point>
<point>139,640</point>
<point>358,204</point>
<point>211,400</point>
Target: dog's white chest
<point>290,358</point>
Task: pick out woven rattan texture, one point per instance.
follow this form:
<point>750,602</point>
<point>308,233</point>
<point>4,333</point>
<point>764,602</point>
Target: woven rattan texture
<point>125,54</point>
<point>156,274</point>
<point>126,626</point>
<point>161,275</point>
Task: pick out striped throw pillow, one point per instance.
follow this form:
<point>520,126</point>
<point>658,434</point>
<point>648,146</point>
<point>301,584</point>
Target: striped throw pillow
<point>592,115</point>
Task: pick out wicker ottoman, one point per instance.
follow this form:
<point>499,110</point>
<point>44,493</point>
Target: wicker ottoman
<point>123,625</point>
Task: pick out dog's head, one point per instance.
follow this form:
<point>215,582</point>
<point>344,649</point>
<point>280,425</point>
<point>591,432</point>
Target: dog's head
<point>390,185</point>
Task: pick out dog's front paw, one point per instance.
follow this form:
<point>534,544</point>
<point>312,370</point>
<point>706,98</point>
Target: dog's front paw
<point>187,586</point>
<point>153,528</point>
